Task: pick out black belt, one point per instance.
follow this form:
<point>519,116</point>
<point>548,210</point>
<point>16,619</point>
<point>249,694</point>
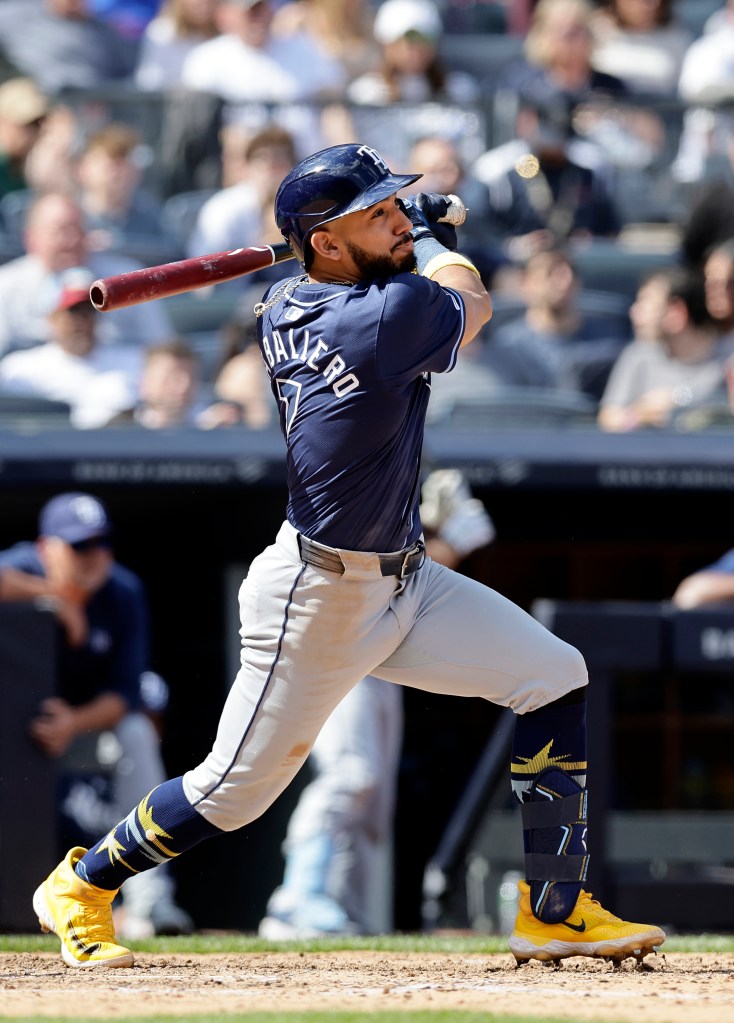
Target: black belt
<point>401,563</point>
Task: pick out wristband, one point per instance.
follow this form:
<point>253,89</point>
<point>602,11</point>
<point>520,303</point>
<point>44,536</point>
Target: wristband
<point>426,248</point>
<point>447,258</point>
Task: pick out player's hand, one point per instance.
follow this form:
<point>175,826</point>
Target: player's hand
<point>55,727</point>
<point>424,211</point>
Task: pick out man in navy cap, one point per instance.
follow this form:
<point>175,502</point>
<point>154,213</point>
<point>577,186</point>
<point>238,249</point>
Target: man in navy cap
<point>102,675</point>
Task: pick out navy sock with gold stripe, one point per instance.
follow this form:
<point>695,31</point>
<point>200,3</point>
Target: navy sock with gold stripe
<point>548,772</point>
<point>162,826</point>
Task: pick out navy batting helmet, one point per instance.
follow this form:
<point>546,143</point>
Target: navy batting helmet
<point>328,185</point>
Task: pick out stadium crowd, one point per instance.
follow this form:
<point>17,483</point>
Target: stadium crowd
<point>592,141</point>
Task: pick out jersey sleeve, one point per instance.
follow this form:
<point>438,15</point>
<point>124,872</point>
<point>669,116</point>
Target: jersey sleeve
<point>421,328</point>
<point>23,558</point>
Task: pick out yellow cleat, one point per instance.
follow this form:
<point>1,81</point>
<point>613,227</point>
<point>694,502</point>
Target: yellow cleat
<point>81,915</point>
<point>590,930</point>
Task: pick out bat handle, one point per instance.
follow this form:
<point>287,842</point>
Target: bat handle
<point>456,213</point>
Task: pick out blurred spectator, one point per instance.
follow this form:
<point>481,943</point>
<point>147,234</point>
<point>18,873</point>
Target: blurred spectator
<point>341,28</point>
<point>169,38</point>
<point>128,17</point>
<point>680,364</point>
<point>242,214</point>
<point>642,42</point>
<point>247,63</point>
<point>438,159</point>
<point>706,73</point>
<point>61,45</point>
<point>97,382</point>
<point>23,109</point>
<point>55,241</point>
<point>242,380</point>
<point>558,50</point>
<point>49,166</point>
<point>411,69</point>
<point>706,86</point>
<point>546,185</point>
<point>554,344</point>
<point>169,391</point>
<point>118,211</point>
<point>444,170</point>
<point>558,72</point>
<point>718,274</point>
<point>708,216</point>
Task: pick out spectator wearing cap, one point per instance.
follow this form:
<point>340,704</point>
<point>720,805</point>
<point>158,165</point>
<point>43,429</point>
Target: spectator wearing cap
<point>61,45</point>
<point>102,671</point>
<point>23,109</point>
<point>411,69</point>
<point>247,63</point>
<point>55,241</point>
<point>96,381</point>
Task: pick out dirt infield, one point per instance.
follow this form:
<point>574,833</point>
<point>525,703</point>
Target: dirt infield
<point>675,988</point>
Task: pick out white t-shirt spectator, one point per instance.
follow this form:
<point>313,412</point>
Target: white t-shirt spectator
<point>284,70</point>
<point>97,386</point>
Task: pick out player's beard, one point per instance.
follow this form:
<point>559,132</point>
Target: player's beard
<point>373,267</point>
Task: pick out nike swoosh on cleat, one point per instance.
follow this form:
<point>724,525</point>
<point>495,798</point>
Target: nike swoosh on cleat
<point>576,927</point>
<point>85,950</point>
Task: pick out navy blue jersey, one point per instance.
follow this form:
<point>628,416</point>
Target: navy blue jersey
<point>115,653</point>
<point>350,369</point>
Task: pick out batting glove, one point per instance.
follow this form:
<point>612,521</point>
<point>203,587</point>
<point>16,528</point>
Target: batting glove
<point>424,211</point>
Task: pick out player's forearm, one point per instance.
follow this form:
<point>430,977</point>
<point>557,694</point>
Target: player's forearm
<point>100,714</point>
<point>704,588</point>
<point>25,587</point>
<point>21,586</point>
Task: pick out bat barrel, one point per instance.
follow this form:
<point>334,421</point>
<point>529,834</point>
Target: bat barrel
<point>171,279</point>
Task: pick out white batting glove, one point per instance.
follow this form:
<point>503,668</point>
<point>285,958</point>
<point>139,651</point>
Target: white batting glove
<point>453,514</point>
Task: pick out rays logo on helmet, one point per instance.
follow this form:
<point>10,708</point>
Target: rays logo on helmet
<point>374,155</point>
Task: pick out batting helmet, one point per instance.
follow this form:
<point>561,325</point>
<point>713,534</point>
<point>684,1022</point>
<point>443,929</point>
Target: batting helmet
<point>328,185</point>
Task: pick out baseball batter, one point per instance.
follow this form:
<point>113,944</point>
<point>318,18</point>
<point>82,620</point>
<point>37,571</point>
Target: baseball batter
<point>346,590</point>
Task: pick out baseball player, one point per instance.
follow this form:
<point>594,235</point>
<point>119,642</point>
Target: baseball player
<point>104,684</point>
<point>346,590</point>
<point>336,878</point>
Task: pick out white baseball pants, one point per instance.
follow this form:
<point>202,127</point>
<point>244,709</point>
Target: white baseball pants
<point>308,637</point>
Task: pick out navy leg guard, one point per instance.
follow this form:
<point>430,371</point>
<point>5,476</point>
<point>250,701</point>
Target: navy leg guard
<point>554,827</point>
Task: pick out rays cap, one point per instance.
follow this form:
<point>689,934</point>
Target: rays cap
<point>75,518</point>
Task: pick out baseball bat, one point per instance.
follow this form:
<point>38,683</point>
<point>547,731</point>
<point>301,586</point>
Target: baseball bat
<point>169,279</point>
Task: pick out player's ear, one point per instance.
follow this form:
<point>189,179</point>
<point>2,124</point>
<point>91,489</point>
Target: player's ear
<point>326,245</point>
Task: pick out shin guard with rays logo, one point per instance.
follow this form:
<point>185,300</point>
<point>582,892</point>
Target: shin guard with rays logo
<point>554,827</point>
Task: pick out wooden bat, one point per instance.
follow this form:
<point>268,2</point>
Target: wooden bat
<point>170,279</point>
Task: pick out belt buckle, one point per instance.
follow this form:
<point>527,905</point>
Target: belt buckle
<point>418,548</point>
